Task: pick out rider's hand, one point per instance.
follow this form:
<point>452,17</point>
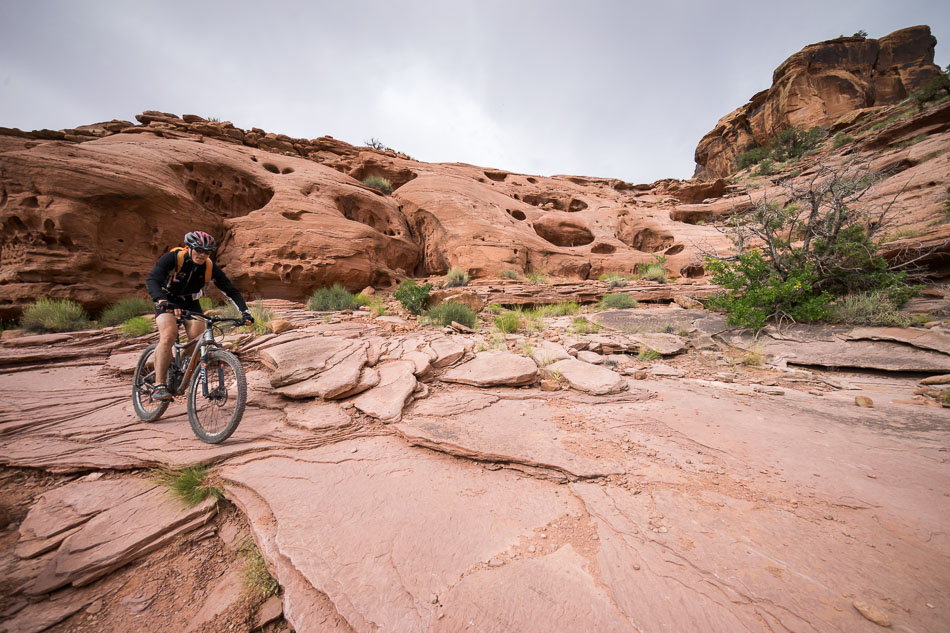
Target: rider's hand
<point>247,317</point>
<point>167,306</point>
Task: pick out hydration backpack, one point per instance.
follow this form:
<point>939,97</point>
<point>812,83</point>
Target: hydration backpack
<point>181,250</point>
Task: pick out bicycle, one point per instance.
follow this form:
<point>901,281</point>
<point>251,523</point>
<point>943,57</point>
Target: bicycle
<point>212,392</point>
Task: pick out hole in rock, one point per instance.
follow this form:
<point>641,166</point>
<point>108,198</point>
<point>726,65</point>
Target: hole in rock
<point>518,215</point>
<point>603,249</point>
<point>645,238</point>
<point>693,271</point>
<point>369,212</point>
<point>272,168</point>
<point>287,170</point>
<point>676,249</point>
<point>253,159</point>
<point>292,215</point>
<point>576,205</point>
<point>532,180</point>
<point>564,233</point>
<point>223,190</point>
<point>542,201</point>
<point>497,176</point>
<point>30,202</point>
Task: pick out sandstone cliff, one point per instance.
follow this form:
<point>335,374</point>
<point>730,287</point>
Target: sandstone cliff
<point>816,86</point>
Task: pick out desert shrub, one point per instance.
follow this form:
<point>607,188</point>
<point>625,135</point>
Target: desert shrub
<point>262,316</point>
<point>755,292</point>
<point>656,272</point>
<point>191,484</point>
<point>377,307</point>
<point>935,89</point>
<point>379,183</point>
<point>362,300</point>
<point>583,326</point>
<point>617,301</point>
<point>335,297</point>
<point>841,139</point>
<point>138,326</point>
<point>509,274</point>
<point>413,296</point>
<point>257,578</point>
<point>537,277</point>
<point>206,303</point>
<point>818,244</point>
<point>124,310</point>
<point>562,308</point>
<point>54,315</point>
<point>766,168</point>
<point>614,280</point>
<point>878,308</point>
<point>445,313</point>
<point>456,277</point>
<point>752,156</point>
<point>754,356</point>
<point>508,322</point>
<point>648,354</point>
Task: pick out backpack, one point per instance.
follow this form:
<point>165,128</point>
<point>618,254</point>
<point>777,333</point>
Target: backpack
<point>181,250</point>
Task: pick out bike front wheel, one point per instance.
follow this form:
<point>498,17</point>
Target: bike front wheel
<point>214,415</point>
<point>143,384</point>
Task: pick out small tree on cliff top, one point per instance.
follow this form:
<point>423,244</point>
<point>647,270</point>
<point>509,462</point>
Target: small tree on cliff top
<point>797,251</point>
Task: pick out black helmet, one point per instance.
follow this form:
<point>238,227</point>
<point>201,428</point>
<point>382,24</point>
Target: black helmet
<point>201,241</point>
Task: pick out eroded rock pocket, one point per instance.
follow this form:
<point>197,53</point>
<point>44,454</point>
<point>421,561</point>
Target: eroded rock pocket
<point>223,190</point>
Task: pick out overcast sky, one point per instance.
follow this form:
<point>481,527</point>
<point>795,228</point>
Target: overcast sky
<point>595,88</point>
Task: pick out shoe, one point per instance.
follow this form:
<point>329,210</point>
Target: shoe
<point>161,392</point>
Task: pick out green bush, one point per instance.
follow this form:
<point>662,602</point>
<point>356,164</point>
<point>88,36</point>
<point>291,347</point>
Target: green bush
<point>124,310</point>
<point>756,292</point>
<point>138,326</point>
<point>648,354</point>
<point>331,299</point>
<point>191,484</point>
<point>561,308</point>
<point>537,278</point>
<point>54,315</point>
<point>765,168</point>
<point>509,274</point>
<point>412,296</point>
<point>656,272</point>
<point>583,326</point>
<point>614,280</point>
<point>262,316</point>
<point>377,308</point>
<point>456,277</point>
<point>841,139</point>
<point>379,183</point>
<point>935,89</point>
<point>752,156</point>
<point>508,322</point>
<point>257,578</point>
<point>362,300</point>
<point>877,308</point>
<point>206,303</point>
<point>445,313</point>
<point>617,300</point>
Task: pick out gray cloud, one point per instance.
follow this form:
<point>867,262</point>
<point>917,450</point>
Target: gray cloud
<point>599,88</point>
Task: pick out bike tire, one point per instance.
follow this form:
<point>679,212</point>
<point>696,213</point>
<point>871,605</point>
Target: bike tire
<point>207,415</point>
<point>147,409</point>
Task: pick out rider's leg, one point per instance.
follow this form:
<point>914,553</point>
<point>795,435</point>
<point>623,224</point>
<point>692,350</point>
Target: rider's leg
<point>167,332</point>
<point>194,327</point>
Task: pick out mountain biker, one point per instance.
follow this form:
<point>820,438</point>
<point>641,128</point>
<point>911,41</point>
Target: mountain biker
<point>175,284</point>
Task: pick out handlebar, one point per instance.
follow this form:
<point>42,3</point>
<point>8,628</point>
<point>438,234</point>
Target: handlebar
<point>188,314</point>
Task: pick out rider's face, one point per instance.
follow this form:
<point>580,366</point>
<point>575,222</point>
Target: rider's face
<point>198,256</point>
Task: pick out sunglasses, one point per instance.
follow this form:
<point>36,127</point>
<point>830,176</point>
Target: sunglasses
<point>198,251</point>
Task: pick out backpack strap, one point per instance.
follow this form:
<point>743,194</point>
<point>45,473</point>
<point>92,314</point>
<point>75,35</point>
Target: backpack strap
<point>181,250</point>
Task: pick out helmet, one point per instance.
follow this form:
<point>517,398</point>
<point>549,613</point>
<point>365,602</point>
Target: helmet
<point>200,240</point>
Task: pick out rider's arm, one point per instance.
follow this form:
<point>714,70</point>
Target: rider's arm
<point>224,285</point>
<point>160,272</point>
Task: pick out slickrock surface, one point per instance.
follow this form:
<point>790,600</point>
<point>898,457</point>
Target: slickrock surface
<point>723,497</point>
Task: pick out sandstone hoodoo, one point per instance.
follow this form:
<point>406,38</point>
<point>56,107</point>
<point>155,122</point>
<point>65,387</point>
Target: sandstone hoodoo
<point>823,84</point>
<point>559,436</point>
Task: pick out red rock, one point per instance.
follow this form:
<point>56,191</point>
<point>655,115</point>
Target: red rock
<point>819,84</point>
<point>593,379</point>
<point>226,592</point>
<point>386,400</point>
<point>493,369</point>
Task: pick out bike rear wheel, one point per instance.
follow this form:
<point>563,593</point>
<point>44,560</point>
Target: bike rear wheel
<point>215,417</point>
<point>143,384</point>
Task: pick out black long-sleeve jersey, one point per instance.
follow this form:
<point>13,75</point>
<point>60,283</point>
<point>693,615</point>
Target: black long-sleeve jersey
<point>164,283</point>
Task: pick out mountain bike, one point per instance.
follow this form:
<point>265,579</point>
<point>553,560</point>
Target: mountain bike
<point>213,378</point>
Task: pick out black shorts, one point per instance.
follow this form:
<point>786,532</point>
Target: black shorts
<point>191,305</point>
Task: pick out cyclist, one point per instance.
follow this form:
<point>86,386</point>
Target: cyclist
<point>175,284</point>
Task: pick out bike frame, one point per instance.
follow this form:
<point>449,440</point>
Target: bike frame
<point>203,344</point>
